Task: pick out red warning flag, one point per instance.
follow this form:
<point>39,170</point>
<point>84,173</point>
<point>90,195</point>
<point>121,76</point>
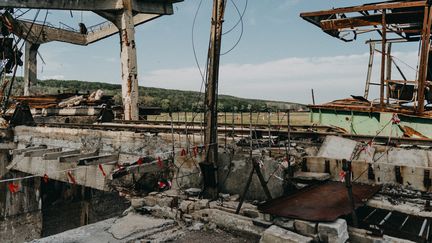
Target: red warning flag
<point>183,153</point>
<point>102,170</point>
<point>13,188</point>
<point>71,177</point>
<point>45,178</point>
<point>195,151</point>
<point>160,163</point>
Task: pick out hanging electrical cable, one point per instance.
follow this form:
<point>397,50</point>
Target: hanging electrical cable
<point>241,31</point>
<point>239,20</point>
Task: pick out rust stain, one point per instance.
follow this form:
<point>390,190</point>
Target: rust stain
<point>324,202</point>
<point>411,132</point>
<point>129,85</point>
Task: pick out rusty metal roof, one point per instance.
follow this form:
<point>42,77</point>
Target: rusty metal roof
<point>325,202</point>
<point>405,17</point>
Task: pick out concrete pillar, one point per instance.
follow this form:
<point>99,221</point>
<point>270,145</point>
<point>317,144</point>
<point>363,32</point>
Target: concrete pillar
<point>129,62</point>
<point>30,68</point>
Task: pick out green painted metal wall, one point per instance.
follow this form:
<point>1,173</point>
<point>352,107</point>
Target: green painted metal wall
<point>370,123</point>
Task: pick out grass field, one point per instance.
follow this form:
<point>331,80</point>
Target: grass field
<point>296,118</point>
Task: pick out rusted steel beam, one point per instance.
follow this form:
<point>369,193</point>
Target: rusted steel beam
<point>244,131</point>
<point>424,59</point>
<point>408,17</point>
<point>383,56</point>
<point>369,7</point>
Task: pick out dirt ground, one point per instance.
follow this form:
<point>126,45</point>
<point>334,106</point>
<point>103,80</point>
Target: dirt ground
<point>214,236</point>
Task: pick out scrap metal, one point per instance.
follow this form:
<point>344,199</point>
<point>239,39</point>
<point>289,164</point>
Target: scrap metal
<point>409,21</point>
<point>324,203</point>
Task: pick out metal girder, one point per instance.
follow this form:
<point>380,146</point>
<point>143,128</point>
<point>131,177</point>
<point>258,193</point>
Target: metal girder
<point>40,34</point>
<point>368,7</point>
<point>409,17</point>
<point>139,6</point>
<point>111,29</point>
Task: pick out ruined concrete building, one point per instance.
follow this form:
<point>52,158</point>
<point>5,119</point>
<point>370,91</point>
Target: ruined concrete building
<point>75,168</point>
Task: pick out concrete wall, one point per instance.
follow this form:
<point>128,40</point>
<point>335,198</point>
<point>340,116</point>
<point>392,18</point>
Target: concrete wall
<point>132,145</point>
<point>21,228</point>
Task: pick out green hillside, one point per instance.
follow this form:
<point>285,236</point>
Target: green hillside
<point>178,100</point>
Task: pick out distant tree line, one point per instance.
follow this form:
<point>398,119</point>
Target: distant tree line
<point>167,99</point>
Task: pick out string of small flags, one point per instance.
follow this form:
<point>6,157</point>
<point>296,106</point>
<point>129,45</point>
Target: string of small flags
<point>395,120</point>
<point>14,188</point>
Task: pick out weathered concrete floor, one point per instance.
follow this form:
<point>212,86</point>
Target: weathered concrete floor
<point>140,228</point>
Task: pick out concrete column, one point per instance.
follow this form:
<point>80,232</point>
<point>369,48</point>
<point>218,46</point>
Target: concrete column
<point>129,63</point>
<point>30,68</point>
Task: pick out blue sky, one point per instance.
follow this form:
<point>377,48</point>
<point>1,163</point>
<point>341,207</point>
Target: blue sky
<point>280,57</point>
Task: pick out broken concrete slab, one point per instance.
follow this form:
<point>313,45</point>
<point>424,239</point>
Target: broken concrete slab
<point>275,234</point>
<point>337,148</point>
<point>229,221</point>
<point>90,233</point>
<point>335,232</point>
<point>135,224</point>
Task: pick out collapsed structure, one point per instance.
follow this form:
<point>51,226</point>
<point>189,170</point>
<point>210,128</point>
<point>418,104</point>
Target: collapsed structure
<point>396,22</point>
<point>328,182</point>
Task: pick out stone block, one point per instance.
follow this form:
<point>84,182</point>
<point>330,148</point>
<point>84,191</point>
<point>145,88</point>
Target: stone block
<point>275,234</point>
<point>335,232</point>
<point>305,227</point>
<point>186,206</point>
<point>234,197</point>
<point>165,201</point>
<point>150,201</point>
<point>284,223</point>
<point>201,204</point>
<point>251,213</point>
<point>137,202</point>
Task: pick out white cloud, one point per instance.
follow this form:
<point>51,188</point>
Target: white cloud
<point>289,79</point>
<point>59,76</point>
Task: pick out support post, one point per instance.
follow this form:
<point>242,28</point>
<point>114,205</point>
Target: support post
<point>424,59</point>
<point>211,136</point>
<point>30,69</point>
<point>370,69</point>
<point>388,70</point>
<point>129,63</point>
<point>383,57</point>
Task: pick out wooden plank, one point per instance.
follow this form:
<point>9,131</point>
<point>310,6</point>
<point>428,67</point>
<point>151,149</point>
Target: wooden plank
<point>56,155</point>
<point>41,152</point>
<point>75,158</point>
<point>370,7</point>
<point>96,160</point>
<point>21,151</point>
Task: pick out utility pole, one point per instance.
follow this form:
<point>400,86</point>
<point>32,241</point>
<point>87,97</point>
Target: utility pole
<point>209,166</point>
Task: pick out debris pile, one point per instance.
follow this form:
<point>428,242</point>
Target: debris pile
<point>63,100</point>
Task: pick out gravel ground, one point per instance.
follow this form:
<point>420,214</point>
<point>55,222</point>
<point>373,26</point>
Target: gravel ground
<point>213,236</point>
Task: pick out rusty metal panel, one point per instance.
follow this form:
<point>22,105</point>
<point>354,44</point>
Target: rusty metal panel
<point>325,202</point>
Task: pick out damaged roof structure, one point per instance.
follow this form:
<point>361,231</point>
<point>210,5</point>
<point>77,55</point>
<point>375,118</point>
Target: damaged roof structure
<point>359,172</point>
<point>396,22</point>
